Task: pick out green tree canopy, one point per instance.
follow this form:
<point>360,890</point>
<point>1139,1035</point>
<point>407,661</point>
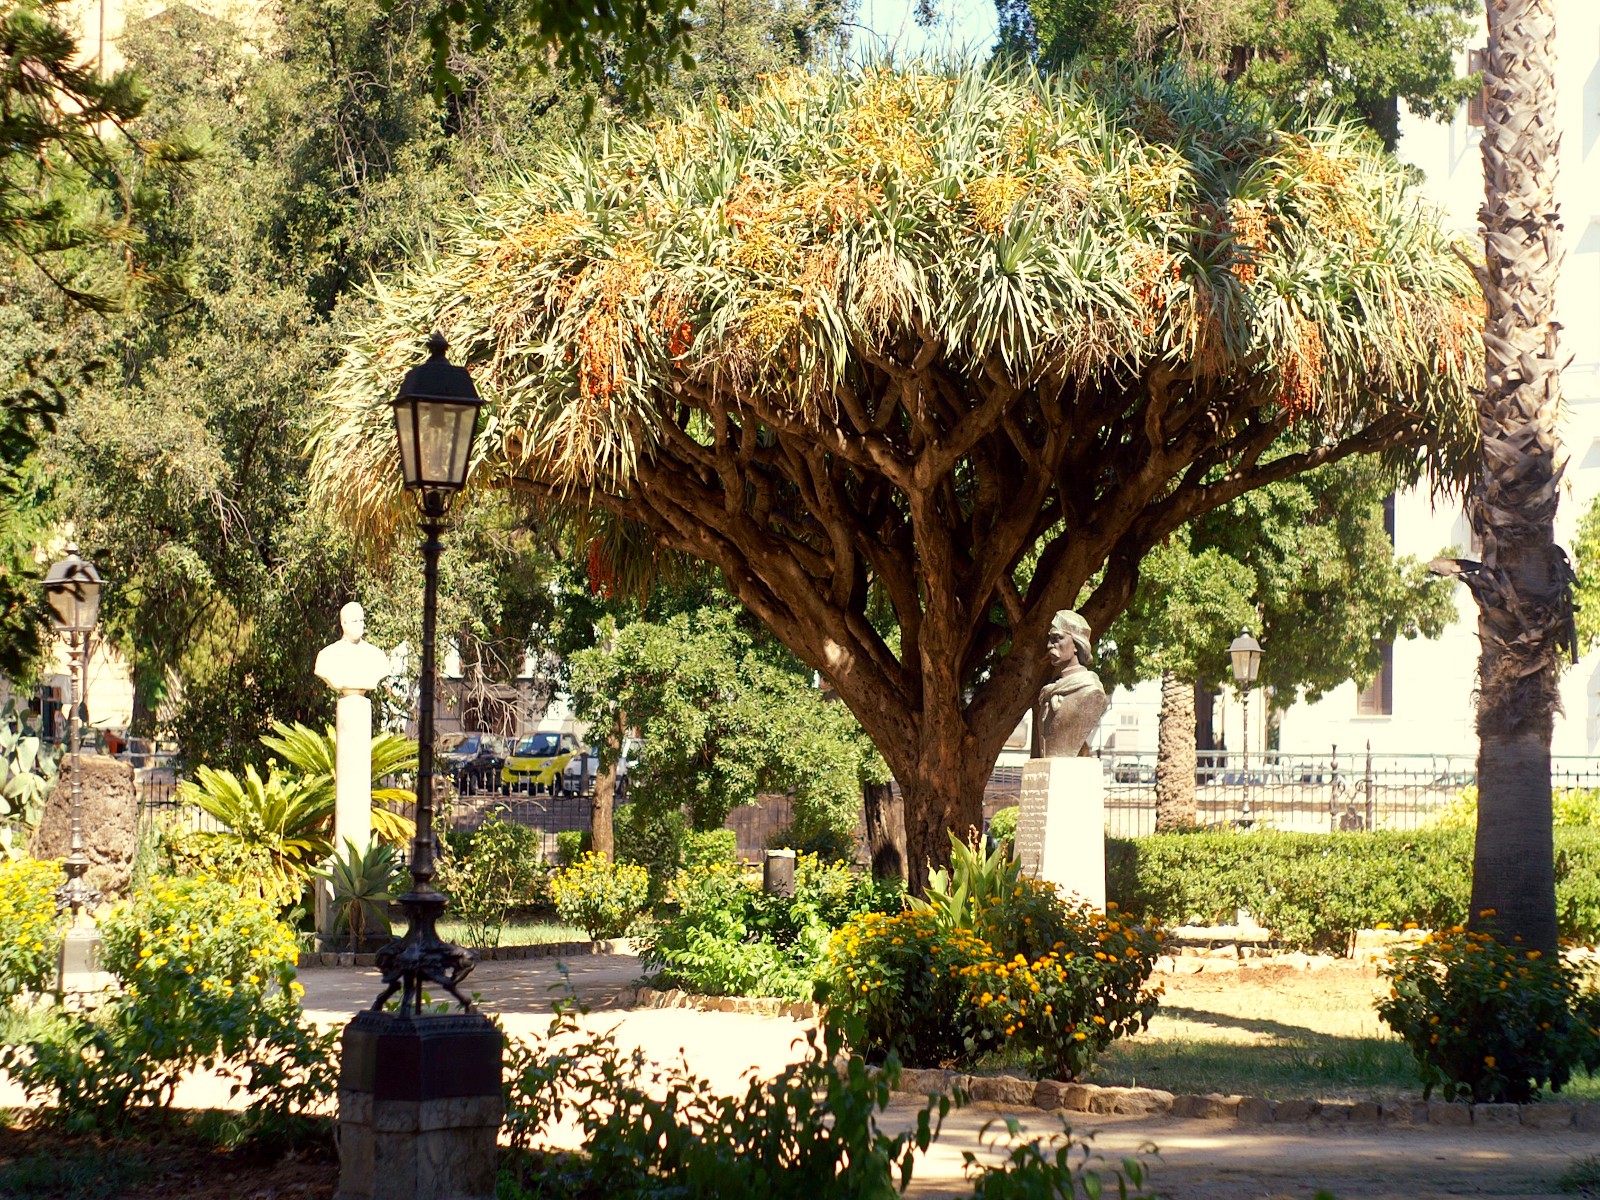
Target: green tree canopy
<point>1307,564</point>
<point>723,719</point>
<point>965,342</point>
<point>1362,54</point>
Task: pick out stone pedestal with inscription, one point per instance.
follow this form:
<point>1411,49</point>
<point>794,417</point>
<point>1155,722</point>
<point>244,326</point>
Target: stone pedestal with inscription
<point>1061,826</point>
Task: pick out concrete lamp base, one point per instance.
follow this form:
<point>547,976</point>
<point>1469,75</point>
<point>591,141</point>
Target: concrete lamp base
<point>420,1108</point>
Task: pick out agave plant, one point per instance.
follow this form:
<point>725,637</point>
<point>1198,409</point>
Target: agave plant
<point>362,883</point>
<point>27,769</point>
<point>974,881</point>
<point>311,756</point>
<point>273,818</point>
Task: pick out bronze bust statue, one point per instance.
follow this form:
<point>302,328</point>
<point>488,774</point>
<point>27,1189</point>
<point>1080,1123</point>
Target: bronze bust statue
<point>1072,703</point>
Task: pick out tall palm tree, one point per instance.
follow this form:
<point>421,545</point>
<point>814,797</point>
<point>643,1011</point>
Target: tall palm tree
<point>1523,584</point>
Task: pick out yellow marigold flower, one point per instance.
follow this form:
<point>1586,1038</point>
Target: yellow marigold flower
<point>1488,1061</point>
<point>1080,1036</point>
<point>1409,925</point>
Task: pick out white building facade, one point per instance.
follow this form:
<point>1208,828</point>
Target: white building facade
<point>1426,705</point>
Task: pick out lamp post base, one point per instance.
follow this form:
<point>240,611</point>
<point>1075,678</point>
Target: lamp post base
<point>420,1107</point>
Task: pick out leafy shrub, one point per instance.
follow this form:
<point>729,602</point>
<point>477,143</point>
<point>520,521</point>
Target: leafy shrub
<point>1003,826</point>
<point>1018,971</point>
<point>207,978</point>
<point>729,938</point>
<point>499,869</point>
<point>194,855</point>
<point>1490,1022</point>
<point>570,843</point>
<point>1576,808</point>
<point>601,896</point>
<point>811,1132</point>
<point>710,848</point>
<point>651,839</point>
<point>1314,890</point>
<point>30,934</point>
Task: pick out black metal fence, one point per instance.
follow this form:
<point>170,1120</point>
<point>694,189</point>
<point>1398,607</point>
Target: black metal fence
<point>1278,790</point>
<point>1302,793</point>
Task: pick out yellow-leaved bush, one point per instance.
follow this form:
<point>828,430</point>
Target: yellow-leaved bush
<point>30,930</point>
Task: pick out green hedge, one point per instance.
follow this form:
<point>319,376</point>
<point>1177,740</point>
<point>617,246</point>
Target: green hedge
<point>1313,891</point>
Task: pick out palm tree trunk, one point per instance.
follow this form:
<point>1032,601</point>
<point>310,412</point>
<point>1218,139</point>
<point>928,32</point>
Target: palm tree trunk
<point>1524,606</point>
<point>1175,757</point>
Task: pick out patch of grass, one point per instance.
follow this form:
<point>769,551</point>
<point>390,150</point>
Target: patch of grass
<point>519,933</point>
<point>1582,1178</point>
<point>83,1171</point>
<point>1279,1033</point>
<point>22,1020</point>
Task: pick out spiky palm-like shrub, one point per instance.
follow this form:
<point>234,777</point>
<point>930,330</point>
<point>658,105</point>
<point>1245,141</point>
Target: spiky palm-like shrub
<point>962,346</point>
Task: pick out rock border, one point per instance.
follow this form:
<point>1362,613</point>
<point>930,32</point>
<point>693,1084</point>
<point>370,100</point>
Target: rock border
<point>1056,1096</point>
<point>344,958</point>
<point>644,996</point>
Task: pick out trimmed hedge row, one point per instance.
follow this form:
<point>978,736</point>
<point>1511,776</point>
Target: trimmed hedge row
<point>1314,890</point>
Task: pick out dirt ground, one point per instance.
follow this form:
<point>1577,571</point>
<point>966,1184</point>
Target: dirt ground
<point>1215,1160</point>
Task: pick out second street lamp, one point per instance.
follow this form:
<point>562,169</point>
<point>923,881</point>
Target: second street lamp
<point>419,1091</point>
<point>1245,653</point>
<point>72,594</point>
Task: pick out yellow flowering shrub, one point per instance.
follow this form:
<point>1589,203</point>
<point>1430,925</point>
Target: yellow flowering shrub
<point>207,976</point>
<point>599,895</point>
<point>1026,974</point>
<point>1490,1021</point>
<point>29,928</point>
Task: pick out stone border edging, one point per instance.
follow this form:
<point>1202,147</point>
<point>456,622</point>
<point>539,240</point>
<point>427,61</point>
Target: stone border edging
<point>1052,1095</point>
<point>485,954</point>
<point>644,996</point>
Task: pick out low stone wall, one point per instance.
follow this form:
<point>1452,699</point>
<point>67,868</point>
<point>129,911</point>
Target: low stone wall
<point>485,953</point>
<point>1055,1096</point>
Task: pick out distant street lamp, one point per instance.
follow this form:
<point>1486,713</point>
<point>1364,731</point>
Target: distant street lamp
<point>72,594</point>
<point>1245,652</point>
<point>395,1062</point>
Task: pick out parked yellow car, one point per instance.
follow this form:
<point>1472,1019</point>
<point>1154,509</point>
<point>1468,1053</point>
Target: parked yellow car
<point>537,760</point>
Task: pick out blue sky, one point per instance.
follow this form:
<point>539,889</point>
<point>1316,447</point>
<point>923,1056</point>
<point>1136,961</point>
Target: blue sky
<point>963,24</point>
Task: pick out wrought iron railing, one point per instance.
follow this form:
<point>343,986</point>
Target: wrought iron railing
<point>1301,792</point>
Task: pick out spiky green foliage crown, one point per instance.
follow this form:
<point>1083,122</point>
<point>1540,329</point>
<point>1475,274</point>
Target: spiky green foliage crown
<point>1079,230</point>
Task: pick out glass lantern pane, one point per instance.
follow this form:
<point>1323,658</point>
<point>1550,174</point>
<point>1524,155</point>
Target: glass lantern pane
<point>88,605</point>
<point>62,608</point>
<point>404,415</point>
<point>437,432</point>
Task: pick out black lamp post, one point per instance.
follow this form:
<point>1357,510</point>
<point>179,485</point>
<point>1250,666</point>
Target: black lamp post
<point>72,594</point>
<point>436,418</point>
<point>1245,652</point>
<point>419,1093</point>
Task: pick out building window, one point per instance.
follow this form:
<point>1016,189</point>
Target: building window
<point>1477,60</point>
<point>1377,698</point>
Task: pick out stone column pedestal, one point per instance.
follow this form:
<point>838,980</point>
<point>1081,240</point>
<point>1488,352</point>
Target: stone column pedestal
<point>1061,826</point>
<point>420,1108</point>
<point>352,777</point>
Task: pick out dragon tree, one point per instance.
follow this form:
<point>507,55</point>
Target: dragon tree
<point>918,359</point>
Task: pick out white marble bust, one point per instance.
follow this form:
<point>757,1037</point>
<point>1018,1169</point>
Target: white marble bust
<point>351,664</point>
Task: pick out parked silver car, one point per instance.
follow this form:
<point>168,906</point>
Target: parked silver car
<point>577,777</point>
